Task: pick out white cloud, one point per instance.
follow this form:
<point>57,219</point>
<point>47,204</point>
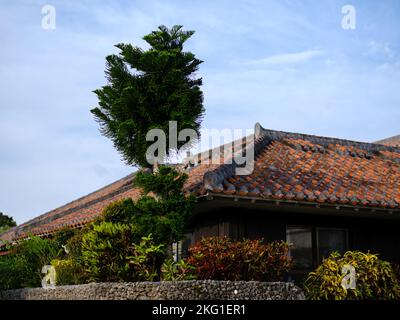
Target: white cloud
<point>288,58</point>
<point>389,67</point>
<point>380,48</point>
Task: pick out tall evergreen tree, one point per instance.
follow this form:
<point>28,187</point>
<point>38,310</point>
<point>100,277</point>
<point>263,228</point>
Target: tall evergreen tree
<point>148,88</point>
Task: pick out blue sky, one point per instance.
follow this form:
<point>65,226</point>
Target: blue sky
<point>286,64</point>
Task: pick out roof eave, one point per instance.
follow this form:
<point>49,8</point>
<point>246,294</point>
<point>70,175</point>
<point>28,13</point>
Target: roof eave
<point>338,208</point>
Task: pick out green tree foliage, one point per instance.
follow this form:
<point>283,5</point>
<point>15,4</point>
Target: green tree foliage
<point>69,266</point>
<point>23,266</point>
<point>148,88</point>
<point>375,278</point>
<point>104,251</point>
<point>62,237</point>
<point>166,183</point>
<point>162,211</point>
<point>6,222</point>
<point>146,259</point>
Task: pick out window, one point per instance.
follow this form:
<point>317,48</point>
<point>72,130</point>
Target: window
<point>330,240</point>
<point>309,245</point>
<point>300,240</point>
<point>177,250</point>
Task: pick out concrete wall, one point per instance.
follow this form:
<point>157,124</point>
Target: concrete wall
<point>179,290</point>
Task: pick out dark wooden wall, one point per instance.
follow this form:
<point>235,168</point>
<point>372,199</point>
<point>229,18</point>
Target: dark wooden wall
<point>366,234</point>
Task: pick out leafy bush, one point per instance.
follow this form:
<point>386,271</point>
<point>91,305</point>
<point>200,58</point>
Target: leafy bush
<point>62,237</point>
<point>12,271</point>
<point>145,263</point>
<point>177,271</point>
<point>23,266</point>
<point>119,211</point>
<point>68,272</point>
<point>396,270</point>
<point>219,258</point>
<point>109,254</point>
<point>69,263</point>
<point>375,278</point>
<point>74,244</point>
<point>104,251</point>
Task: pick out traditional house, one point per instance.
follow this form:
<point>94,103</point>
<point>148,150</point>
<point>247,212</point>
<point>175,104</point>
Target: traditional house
<point>319,194</point>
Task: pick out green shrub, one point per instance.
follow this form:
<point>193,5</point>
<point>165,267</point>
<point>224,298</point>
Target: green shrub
<point>375,278</point>
<point>396,270</point>
<point>74,244</point>
<point>119,211</point>
<point>62,236</point>
<point>109,254</point>
<point>220,258</point>
<point>177,271</point>
<point>12,271</point>
<point>23,266</point>
<point>69,263</point>
<point>146,259</point>
<point>68,272</point>
<point>104,251</point>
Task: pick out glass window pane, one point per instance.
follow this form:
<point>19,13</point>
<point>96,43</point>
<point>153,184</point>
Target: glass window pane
<point>330,240</point>
<point>300,240</point>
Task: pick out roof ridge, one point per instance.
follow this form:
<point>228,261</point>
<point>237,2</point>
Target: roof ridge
<point>273,135</point>
<point>393,141</point>
<point>214,179</point>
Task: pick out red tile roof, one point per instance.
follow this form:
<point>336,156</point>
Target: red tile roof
<point>317,169</point>
<point>287,167</point>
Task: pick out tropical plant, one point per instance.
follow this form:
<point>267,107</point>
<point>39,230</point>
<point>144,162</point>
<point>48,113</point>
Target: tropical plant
<point>177,270</point>
<point>104,251</point>
<point>374,278</point>
<point>23,266</point>
<point>220,258</point>
<point>145,262</point>
<point>68,271</point>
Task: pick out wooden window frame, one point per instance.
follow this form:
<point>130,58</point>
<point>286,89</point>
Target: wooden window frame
<point>315,243</point>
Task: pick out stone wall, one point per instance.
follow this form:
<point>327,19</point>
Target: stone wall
<point>179,290</point>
